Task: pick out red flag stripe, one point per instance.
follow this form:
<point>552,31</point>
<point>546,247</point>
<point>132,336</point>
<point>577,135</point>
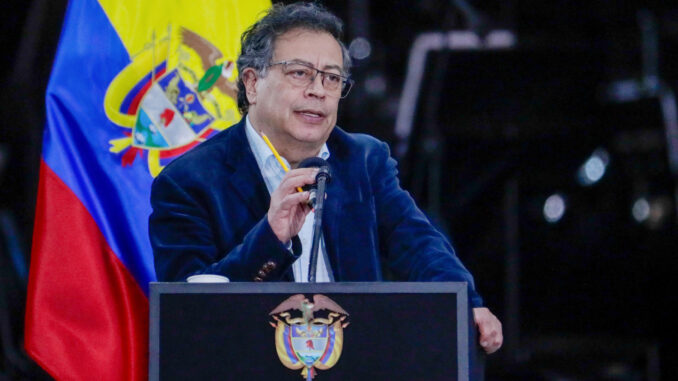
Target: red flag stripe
<point>86,317</point>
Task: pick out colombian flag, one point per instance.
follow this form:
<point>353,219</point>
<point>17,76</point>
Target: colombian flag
<point>134,85</point>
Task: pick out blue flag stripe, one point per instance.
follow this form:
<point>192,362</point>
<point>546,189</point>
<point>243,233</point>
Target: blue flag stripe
<point>76,142</point>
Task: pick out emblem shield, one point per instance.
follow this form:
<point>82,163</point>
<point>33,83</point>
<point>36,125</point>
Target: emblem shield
<point>170,115</point>
<point>309,341</point>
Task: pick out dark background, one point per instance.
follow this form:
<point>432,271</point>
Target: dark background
<point>496,133</point>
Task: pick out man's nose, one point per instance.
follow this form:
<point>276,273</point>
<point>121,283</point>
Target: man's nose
<point>316,87</point>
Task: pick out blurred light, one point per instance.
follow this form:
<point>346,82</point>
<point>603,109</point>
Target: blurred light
<point>375,85</point>
<point>463,39</point>
<point>554,208</point>
<point>500,39</point>
<point>641,209</point>
<point>360,48</point>
<point>594,168</point>
<point>624,91</point>
<point>653,212</point>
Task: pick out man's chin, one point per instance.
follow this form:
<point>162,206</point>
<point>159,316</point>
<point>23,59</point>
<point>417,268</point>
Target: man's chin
<point>311,134</point>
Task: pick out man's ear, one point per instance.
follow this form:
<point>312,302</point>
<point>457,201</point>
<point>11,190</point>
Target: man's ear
<point>249,79</point>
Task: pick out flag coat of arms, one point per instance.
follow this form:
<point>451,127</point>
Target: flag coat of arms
<point>134,85</point>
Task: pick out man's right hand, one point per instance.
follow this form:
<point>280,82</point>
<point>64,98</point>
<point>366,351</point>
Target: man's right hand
<point>288,209</point>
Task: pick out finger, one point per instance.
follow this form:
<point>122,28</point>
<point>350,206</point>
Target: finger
<point>302,209</point>
<point>489,340</point>
<point>306,207</point>
<point>491,348</point>
<point>491,335</point>
<point>294,199</point>
<point>494,344</point>
<point>493,325</point>
<point>300,214</point>
<point>297,178</point>
<point>485,337</point>
<point>300,172</point>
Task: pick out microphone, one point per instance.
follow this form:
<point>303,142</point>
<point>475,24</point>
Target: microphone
<point>323,172</point>
<point>318,196</point>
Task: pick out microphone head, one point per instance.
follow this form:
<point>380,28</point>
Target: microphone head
<point>324,171</point>
<point>316,162</point>
<point>312,162</point>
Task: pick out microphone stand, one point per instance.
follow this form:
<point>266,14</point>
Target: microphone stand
<point>322,177</point>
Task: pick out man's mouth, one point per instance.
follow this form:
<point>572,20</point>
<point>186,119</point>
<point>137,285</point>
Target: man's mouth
<point>311,113</point>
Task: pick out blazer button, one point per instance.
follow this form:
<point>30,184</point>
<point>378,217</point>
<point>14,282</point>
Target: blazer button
<point>257,279</point>
<point>270,265</point>
<point>262,274</point>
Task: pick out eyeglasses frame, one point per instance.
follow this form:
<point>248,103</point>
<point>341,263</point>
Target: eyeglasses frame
<point>347,82</point>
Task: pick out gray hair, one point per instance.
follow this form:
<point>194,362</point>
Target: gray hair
<point>257,43</point>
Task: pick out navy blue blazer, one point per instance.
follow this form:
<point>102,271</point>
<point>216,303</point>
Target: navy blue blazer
<point>209,217</point>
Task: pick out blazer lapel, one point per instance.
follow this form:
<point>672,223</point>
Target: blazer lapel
<point>246,180</point>
<point>340,192</point>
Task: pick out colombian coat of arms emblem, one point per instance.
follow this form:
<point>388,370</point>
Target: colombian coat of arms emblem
<point>178,91</point>
<point>309,335</point>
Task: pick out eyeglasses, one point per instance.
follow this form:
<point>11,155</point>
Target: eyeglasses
<point>302,74</point>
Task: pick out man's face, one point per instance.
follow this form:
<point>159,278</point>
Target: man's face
<point>290,114</point>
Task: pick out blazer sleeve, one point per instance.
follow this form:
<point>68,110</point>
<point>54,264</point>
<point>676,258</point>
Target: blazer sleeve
<point>414,248</point>
<point>184,238</point>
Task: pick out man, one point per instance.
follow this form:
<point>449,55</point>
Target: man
<point>228,207</point>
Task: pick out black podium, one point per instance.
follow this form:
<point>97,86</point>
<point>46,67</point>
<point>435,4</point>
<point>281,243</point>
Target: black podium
<point>323,331</point>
